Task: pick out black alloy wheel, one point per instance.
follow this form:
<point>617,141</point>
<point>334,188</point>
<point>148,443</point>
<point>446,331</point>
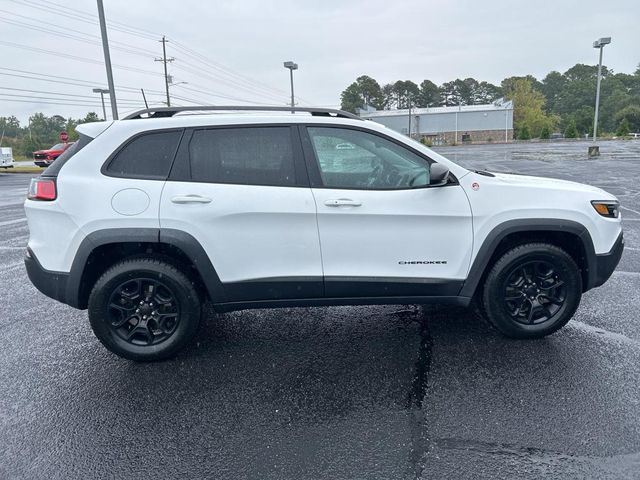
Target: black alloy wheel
<point>143,311</point>
<point>534,292</point>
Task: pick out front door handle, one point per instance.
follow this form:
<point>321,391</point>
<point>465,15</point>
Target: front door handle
<point>342,202</point>
<point>190,199</point>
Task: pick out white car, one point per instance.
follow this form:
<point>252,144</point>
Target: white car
<point>153,215</point>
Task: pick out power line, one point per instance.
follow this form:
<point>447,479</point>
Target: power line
<point>57,79</point>
<point>120,26</point>
<point>75,57</point>
<point>78,16</point>
<point>88,102</point>
<point>55,33</point>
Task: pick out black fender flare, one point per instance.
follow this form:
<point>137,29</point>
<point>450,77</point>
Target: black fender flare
<point>509,227</point>
<point>176,238</point>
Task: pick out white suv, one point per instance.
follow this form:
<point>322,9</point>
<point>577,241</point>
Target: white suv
<point>155,214</point>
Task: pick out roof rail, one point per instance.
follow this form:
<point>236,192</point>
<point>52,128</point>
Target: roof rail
<point>160,112</point>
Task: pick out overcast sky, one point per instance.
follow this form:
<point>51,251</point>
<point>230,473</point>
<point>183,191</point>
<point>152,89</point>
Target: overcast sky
<point>244,43</point>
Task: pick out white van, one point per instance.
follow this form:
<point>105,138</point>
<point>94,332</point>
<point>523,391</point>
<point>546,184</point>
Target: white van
<point>6,157</point>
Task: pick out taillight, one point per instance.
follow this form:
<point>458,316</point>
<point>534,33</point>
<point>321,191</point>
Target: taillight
<point>42,189</point>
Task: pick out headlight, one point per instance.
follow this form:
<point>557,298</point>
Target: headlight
<point>607,208</point>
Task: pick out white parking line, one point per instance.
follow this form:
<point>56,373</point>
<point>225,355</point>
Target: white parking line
<point>630,209</point>
<point>12,222</point>
<point>605,333</point>
<point>11,266</point>
<point>626,274</point>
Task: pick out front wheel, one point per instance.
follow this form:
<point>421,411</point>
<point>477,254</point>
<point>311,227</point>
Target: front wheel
<point>144,309</point>
<point>532,291</point>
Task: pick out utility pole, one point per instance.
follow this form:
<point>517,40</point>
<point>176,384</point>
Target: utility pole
<point>107,60</point>
<point>409,117</point>
<point>164,60</point>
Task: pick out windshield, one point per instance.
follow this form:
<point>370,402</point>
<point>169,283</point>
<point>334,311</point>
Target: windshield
<point>57,146</point>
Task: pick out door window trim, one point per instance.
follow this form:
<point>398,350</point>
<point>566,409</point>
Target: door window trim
<point>181,168</point>
<point>313,163</point>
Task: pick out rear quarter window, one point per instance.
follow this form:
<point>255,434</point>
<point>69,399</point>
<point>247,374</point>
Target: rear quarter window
<point>148,155</point>
<point>53,169</point>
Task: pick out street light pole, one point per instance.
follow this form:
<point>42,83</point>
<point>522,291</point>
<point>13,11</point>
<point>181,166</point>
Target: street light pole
<point>291,66</point>
<point>600,43</point>
<point>102,91</point>
<point>107,60</point>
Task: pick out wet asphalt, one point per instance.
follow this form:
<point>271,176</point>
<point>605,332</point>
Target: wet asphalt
<point>389,392</point>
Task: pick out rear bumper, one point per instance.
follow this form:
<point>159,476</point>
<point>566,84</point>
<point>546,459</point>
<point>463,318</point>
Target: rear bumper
<point>607,262</point>
<point>52,284</point>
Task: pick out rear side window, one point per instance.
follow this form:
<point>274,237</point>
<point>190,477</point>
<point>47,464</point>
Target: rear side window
<point>146,156</point>
<point>248,155</point>
<point>53,169</point>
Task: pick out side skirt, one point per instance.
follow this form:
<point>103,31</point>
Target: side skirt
<point>324,302</point>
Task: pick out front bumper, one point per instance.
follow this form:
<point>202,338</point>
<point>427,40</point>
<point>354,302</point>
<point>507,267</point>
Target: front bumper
<point>607,262</point>
<point>52,284</point>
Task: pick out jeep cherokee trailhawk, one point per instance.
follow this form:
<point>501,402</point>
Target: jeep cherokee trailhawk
<point>153,215</point>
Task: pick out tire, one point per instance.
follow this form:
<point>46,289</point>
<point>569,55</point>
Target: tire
<point>144,309</point>
<point>532,291</point>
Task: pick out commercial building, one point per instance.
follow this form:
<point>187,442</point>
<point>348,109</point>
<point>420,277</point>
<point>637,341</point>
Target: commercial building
<point>447,125</point>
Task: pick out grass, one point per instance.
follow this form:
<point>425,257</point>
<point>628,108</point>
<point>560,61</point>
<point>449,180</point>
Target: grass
<point>22,170</point>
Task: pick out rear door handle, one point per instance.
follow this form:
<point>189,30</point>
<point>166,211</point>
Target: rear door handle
<point>190,199</point>
<point>342,202</point>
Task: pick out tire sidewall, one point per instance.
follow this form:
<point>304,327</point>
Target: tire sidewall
<point>182,289</point>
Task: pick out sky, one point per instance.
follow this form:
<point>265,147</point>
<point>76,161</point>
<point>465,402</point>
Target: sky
<point>231,52</point>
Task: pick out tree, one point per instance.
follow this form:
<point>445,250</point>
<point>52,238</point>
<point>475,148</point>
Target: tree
<point>570,131</point>
<point>429,95</point>
<point>389,99</point>
<point>523,133</point>
<point>406,92</point>
<point>545,133</point>
<point>364,91</point>
<point>528,107</point>
<point>631,114</point>
<point>486,92</point>
<point>90,117</point>
<point>552,86</point>
<point>623,128</point>
<point>509,82</point>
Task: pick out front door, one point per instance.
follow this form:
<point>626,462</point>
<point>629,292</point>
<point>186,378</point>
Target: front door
<point>384,231</point>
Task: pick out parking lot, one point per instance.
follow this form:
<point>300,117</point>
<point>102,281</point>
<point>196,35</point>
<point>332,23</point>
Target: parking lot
<point>343,392</point>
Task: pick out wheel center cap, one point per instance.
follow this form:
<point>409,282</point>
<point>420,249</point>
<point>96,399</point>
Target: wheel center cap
<point>531,291</point>
<point>145,309</point>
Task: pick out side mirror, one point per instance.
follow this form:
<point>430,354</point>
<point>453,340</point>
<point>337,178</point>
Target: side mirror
<point>439,174</point>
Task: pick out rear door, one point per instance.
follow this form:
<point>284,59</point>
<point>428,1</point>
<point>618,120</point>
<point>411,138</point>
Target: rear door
<point>242,192</point>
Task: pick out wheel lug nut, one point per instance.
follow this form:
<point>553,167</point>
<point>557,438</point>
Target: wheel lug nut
<point>137,310</point>
<point>144,317</point>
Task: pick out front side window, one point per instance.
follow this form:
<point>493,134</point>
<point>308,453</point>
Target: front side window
<point>359,160</point>
<point>243,155</point>
<point>147,156</point>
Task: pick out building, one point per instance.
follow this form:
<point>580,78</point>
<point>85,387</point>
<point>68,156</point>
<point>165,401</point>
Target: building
<point>447,125</point>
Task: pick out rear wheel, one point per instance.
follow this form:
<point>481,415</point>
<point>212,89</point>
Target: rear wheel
<point>532,291</point>
<point>144,309</point>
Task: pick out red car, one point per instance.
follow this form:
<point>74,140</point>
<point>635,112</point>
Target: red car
<point>44,158</point>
